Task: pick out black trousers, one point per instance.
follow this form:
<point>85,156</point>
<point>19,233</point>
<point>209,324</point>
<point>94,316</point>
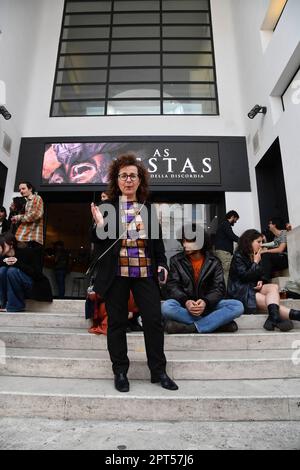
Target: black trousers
<point>273,261</point>
<point>147,297</point>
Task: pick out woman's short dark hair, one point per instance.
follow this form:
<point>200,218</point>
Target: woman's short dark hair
<point>186,229</point>
<point>245,241</point>
<point>128,159</point>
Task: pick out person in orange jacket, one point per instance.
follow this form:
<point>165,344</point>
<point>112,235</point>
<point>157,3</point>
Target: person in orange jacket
<point>100,315</point>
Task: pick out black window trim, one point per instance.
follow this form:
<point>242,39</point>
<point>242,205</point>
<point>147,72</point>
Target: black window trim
<point>161,53</point>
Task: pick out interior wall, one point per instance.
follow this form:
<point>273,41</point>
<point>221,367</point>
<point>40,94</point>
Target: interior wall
<point>19,25</point>
<point>266,70</point>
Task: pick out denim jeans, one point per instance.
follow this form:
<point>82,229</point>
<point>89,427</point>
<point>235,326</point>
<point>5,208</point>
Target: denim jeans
<point>14,285</point>
<point>225,311</point>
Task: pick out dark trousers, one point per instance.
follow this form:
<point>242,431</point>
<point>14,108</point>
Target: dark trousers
<point>39,250</point>
<point>60,276</point>
<point>273,261</point>
<point>147,297</point>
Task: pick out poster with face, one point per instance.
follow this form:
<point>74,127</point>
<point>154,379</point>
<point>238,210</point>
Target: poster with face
<point>77,163</point>
<point>166,162</point>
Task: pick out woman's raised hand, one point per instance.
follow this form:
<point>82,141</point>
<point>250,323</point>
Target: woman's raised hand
<point>97,216</point>
<point>257,256</point>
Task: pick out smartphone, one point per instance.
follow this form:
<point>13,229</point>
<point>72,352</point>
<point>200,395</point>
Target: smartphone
<point>161,275</point>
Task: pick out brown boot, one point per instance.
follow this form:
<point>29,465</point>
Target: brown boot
<point>174,327</point>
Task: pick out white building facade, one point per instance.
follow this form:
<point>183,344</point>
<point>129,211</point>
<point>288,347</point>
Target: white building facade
<point>254,65</point>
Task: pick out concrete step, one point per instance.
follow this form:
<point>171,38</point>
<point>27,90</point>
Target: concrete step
<point>67,338</point>
<point>57,306</point>
<point>196,400</point>
<point>281,281</point>
<point>250,322</point>
<point>291,303</point>
<point>67,320</point>
<point>44,320</point>
<point>41,434</point>
<point>182,365</point>
<point>78,306</point>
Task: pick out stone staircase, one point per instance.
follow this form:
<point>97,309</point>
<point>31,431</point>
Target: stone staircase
<point>53,368</point>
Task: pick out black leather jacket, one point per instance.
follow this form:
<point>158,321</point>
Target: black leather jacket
<point>243,277</point>
<point>181,285</point>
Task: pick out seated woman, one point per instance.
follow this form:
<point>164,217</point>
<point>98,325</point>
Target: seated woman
<point>196,291</point>
<point>95,310</point>
<point>20,276</point>
<point>275,257</point>
<point>245,284</point>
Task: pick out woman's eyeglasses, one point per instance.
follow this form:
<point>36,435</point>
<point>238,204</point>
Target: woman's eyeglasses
<point>124,176</point>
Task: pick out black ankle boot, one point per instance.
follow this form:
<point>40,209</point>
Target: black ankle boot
<point>294,314</point>
<point>121,382</point>
<point>274,321</point>
<point>164,381</point>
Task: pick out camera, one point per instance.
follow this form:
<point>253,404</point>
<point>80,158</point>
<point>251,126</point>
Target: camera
<point>6,114</point>
<point>255,110</point>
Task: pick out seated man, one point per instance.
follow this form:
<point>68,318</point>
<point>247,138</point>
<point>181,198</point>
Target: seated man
<point>275,257</point>
<point>196,292</point>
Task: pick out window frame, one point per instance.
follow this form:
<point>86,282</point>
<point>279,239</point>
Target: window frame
<point>161,53</point>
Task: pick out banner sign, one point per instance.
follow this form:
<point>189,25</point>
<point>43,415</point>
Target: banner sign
<point>182,163</point>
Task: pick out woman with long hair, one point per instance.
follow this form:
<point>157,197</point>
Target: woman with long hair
<point>246,284</point>
<point>130,259</point>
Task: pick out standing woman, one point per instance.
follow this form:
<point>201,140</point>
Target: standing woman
<point>131,262</point>
<point>245,284</point>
